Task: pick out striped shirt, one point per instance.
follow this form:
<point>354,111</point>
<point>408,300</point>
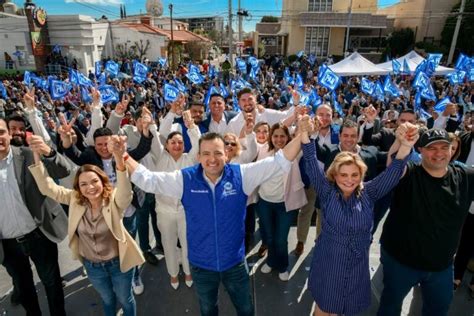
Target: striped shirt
<point>339,278</point>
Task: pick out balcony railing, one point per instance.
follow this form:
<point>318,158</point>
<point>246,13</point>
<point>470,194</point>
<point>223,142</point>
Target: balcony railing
<point>334,19</point>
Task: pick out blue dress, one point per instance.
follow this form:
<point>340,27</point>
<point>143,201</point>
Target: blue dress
<point>339,278</point>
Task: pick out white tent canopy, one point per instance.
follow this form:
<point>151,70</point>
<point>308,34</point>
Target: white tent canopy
<point>356,65</point>
<point>413,60</point>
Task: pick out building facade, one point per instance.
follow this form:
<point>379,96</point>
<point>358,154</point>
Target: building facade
<point>425,17</point>
<point>320,26</point>
<point>208,24</point>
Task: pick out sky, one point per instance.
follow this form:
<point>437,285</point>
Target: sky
<point>182,8</point>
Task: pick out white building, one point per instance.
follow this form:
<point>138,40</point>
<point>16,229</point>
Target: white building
<point>15,37</point>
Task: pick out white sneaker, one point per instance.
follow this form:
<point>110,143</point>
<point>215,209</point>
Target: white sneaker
<point>284,276</point>
<point>266,268</point>
<point>138,286</point>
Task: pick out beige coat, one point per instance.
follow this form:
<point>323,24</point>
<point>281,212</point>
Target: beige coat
<point>129,253</point>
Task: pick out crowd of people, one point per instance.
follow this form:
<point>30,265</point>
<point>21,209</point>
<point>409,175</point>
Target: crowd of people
<point>202,168</point>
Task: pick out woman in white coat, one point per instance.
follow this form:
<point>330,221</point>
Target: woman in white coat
<point>169,211</point>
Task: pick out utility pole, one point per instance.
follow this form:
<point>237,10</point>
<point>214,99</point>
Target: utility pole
<point>240,22</point>
<point>349,19</point>
<point>231,44</point>
<point>456,33</point>
<point>172,37</point>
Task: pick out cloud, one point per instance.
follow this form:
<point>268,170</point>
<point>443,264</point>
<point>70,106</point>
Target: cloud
<point>98,2</point>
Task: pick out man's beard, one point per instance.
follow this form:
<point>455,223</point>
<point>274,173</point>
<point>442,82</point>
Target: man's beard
<point>18,141</point>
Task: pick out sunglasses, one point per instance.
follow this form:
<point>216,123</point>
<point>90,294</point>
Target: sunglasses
<point>230,144</point>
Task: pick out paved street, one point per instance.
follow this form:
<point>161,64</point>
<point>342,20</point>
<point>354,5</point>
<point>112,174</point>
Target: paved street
<point>272,297</point>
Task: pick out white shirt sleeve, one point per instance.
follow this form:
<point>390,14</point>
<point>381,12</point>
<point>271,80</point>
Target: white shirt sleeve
<point>441,122</point>
<point>165,183</point>
<point>254,174</point>
<point>273,116</point>
<point>167,126</point>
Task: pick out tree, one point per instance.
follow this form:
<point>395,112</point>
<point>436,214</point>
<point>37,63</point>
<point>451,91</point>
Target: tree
<point>142,48</point>
<point>466,35</point>
<point>269,19</point>
<point>400,42</point>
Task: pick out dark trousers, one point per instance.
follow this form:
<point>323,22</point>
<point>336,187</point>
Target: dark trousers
<point>143,216</point>
<point>249,226</point>
<point>275,224</point>
<point>465,249</point>
<point>44,254</point>
<point>398,279</point>
<point>236,282</point>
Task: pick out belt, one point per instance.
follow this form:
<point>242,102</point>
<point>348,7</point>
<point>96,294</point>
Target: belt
<point>34,234</point>
<point>110,262</point>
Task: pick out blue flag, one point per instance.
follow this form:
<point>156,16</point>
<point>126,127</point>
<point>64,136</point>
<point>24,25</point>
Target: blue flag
<point>27,78</point>
<point>171,93</point>
<point>456,77</point>
<point>300,54</point>
<point>253,62</point>
<point>312,59</point>
<point>112,68</point>
<point>337,106</point>
<point>321,71</point>
<point>235,104</point>
<point>162,61</point>
<point>378,92</point>
<point>396,66</point>
<point>193,68</point>
<point>428,93</point>
<point>299,81</point>
<point>212,71</point>
<point>417,100</point>
<point>98,68</point>
<point>461,62</point>
<point>57,49</point>
<point>179,84</point>
<point>406,68</point>
<point>195,77</point>
<point>241,65</point>
<point>435,59</point>
<point>315,100</point>
<point>224,91</point>
<point>140,71</point>
<point>367,86</point>
<point>58,89</point>
<point>390,88</point>
<point>423,114</point>
<point>253,74</point>
<point>471,75</point>
<point>37,81</point>
<point>329,79</point>
<point>305,98</point>
<point>83,80</point>
<point>73,77</point>
<point>102,79</point>
<point>3,91</point>
<point>85,96</point>
<point>108,94</point>
<point>421,80</point>
<point>441,105</point>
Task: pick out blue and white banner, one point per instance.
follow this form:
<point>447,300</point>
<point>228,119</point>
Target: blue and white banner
<point>253,62</point>
<point>315,99</point>
<point>379,93</point>
<point>73,77</point>
<point>85,96</point>
<point>456,77</point>
<point>3,91</point>
<point>337,105</point>
<point>435,59</point>
<point>367,86</point>
<point>58,89</point>
<point>224,91</point>
<point>428,93</point>
<point>139,70</point>
<point>98,68</point>
<point>312,59</point>
<point>57,49</point>
<point>299,81</point>
<point>180,85</point>
<point>329,79</point>
<point>471,75</point>
<point>462,62</point>
<point>193,68</point>
<point>300,54</point>
<point>170,92</point>
<point>421,80</point>
<point>441,105</point>
<point>390,88</point>
<point>112,68</point>
<point>108,94</point>
<point>212,71</point>
<point>396,66</point>
<point>241,65</point>
<point>417,100</point>
<point>83,80</point>
<point>195,77</point>
<point>27,78</point>
<point>102,79</point>
<point>406,68</point>
<point>162,61</point>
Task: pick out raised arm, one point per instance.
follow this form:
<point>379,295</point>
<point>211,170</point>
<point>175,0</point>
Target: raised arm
<point>96,118</point>
<point>407,135</point>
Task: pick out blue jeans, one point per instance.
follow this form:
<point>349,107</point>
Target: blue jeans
<point>275,224</point>
<point>236,282</point>
<point>112,284</point>
<point>398,279</point>
<point>143,214</point>
<point>130,224</point>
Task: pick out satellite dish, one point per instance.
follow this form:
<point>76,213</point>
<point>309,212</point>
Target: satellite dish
<point>154,7</point>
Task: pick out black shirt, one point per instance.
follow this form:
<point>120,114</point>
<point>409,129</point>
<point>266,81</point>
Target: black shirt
<point>426,216</point>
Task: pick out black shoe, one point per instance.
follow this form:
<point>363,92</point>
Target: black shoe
<point>150,258</point>
<point>15,298</point>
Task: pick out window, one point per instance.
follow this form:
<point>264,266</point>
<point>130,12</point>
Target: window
<point>320,5</point>
<point>317,41</point>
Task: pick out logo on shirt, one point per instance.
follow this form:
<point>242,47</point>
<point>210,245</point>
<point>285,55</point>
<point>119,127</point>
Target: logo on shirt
<point>199,191</point>
<point>229,189</point>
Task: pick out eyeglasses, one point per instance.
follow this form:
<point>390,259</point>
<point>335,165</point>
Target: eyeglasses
<point>230,144</point>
